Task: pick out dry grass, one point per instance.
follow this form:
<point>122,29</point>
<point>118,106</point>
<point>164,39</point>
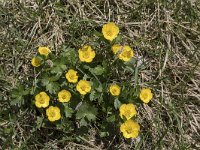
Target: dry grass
<point>165,35</point>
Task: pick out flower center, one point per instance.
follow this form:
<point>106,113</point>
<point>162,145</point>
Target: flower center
<point>127,54</point>
<point>42,101</point>
<point>71,76</point>
<point>52,114</point>
<point>127,113</point>
<point>64,97</point>
<point>109,33</point>
<point>86,55</point>
<point>85,48</point>
<point>44,51</point>
<point>114,91</point>
<point>83,88</point>
<point>129,130</point>
<point>37,61</point>
<point>145,95</point>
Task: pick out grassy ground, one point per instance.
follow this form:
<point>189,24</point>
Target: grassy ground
<point>165,34</point>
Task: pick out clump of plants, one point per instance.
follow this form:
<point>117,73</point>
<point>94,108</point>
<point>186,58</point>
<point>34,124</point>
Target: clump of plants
<point>95,84</point>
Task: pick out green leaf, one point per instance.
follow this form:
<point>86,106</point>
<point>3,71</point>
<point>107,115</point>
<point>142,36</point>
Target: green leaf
<point>104,134</point>
<point>105,65</point>
<point>66,125</point>
<point>95,95</point>
<point>83,122</point>
<point>50,84</point>
<point>97,86</point>
<point>55,77</point>
<point>118,39</point>
<point>39,122</point>
<point>53,87</point>
<point>117,103</point>
<point>68,111</point>
<point>100,88</point>
<point>92,96</point>
<point>98,34</point>
<point>45,80</point>
<point>91,116</point>
<point>18,95</point>
<point>17,100</point>
<point>86,111</point>
<point>98,70</point>
<point>58,69</point>
<point>111,118</point>
<point>70,56</point>
<point>130,69</point>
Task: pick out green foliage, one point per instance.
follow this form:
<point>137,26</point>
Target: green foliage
<point>69,56</point>
<point>117,103</point>
<point>68,111</point>
<point>18,95</point>
<point>86,111</point>
<point>98,70</point>
<point>82,109</point>
<point>58,67</point>
<point>50,84</point>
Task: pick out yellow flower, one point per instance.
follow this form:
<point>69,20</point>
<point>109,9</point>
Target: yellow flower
<point>44,51</point>
<point>86,54</point>
<point>127,110</point>
<point>126,54</point>
<point>42,100</point>
<point>130,129</point>
<point>146,95</point>
<point>53,113</point>
<point>115,90</point>
<point>83,87</point>
<point>36,62</point>
<point>71,76</point>
<point>116,48</point>
<point>110,31</point>
<point>64,96</point>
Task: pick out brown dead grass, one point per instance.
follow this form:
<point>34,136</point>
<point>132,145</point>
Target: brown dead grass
<point>166,35</point>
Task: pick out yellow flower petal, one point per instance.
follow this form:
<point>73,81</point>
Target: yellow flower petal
<point>38,104</point>
<point>130,129</point>
<point>42,100</point>
<point>127,110</point>
<point>116,48</point>
<point>126,54</point>
<point>122,110</point>
<point>110,31</point>
<point>64,96</point>
<point>134,134</point>
<point>86,54</point>
<point>123,128</point>
<point>72,76</point>
<point>44,50</point>
<point>115,90</point>
<point>83,87</point>
<point>36,62</point>
<point>53,113</point>
<point>127,135</point>
<point>146,95</point>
